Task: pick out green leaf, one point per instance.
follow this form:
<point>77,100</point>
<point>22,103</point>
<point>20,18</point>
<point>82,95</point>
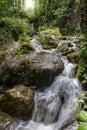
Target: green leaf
<point>82,116</point>
<point>84,81</point>
<point>82,126</point>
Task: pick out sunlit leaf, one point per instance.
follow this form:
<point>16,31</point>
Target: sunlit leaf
<point>82,116</point>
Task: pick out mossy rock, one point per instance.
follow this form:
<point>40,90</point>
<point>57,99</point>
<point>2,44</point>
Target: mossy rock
<point>74,57</point>
<point>38,70</point>
<point>49,38</point>
<point>18,102</point>
<point>24,48</point>
<point>5,120</point>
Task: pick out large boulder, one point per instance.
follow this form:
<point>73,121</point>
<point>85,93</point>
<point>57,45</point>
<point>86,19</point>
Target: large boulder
<point>29,70</point>
<point>18,102</point>
<point>45,67</point>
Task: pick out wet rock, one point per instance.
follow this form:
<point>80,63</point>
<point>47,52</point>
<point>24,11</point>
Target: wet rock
<point>67,38</point>
<point>18,102</point>
<point>72,126</point>
<point>65,48</point>
<point>37,70</point>
<point>5,120</point>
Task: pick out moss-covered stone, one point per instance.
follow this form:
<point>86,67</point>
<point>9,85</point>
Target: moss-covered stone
<point>74,57</point>
<point>18,102</point>
<point>49,38</point>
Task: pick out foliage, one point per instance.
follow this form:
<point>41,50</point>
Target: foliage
<point>13,22</point>
<point>74,57</point>
<point>12,28</point>
<point>24,46</point>
<point>24,49</point>
<point>53,12</point>
<point>82,117</point>
<point>82,66</point>
<point>82,100</point>
<point>82,71</point>
<point>5,36</point>
<point>82,47</point>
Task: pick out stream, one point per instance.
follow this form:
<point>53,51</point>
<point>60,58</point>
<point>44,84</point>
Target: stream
<point>56,106</point>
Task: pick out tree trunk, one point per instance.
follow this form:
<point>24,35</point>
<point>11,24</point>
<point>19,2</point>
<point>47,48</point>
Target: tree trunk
<point>83,7</point>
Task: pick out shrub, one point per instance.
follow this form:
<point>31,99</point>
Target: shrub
<point>82,67</point>
<point>12,28</point>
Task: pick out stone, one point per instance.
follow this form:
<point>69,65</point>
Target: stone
<point>18,102</point>
<point>49,38</point>
<point>38,70</point>
<point>5,120</point>
<point>65,48</point>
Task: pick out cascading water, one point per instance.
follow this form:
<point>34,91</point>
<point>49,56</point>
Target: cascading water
<point>56,106</point>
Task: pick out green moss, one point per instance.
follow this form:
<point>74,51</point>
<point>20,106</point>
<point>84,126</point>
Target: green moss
<point>24,38</point>
<point>15,106</point>
<point>24,48</point>
<point>49,38</point>
<point>5,120</point>
<point>42,28</point>
<point>3,116</point>
<point>74,57</point>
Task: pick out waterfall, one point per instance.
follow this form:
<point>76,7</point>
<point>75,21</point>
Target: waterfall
<point>56,106</point>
